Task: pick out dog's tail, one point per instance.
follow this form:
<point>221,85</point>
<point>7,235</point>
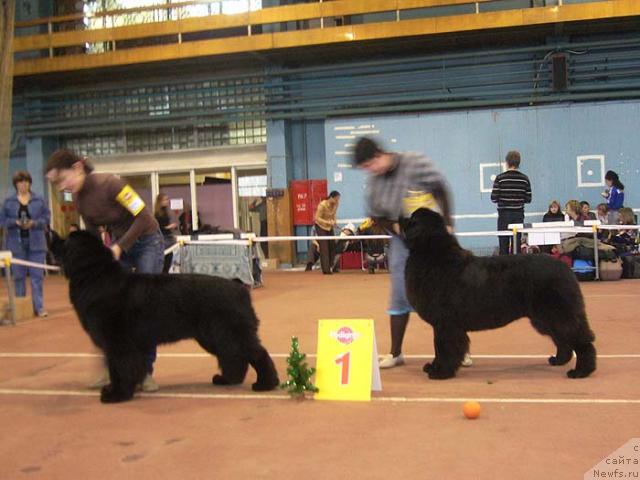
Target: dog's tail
<point>244,299</point>
<point>586,355</point>
<point>585,333</point>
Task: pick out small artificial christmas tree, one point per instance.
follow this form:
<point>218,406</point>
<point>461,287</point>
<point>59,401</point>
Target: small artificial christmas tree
<point>299,373</point>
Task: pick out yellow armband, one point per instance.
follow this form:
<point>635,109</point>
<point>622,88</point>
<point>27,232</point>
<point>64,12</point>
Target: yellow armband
<point>130,200</point>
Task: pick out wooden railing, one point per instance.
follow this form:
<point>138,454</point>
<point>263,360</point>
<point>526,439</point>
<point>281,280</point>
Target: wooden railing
<point>61,50</point>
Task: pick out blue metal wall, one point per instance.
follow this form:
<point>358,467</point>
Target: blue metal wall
<point>295,150</point>
<point>550,138</point>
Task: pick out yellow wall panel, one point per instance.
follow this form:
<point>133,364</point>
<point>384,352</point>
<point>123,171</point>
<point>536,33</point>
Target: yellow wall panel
<point>487,20</point>
<point>312,37</point>
<point>285,14</point>
<point>144,55</point>
<point>394,29</point>
<point>435,3</point>
<point>80,37</point>
<point>353,7</point>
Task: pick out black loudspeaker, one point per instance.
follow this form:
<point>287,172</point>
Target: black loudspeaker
<point>559,72</point>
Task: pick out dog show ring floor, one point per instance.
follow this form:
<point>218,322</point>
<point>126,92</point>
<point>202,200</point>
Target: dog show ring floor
<point>535,423</point>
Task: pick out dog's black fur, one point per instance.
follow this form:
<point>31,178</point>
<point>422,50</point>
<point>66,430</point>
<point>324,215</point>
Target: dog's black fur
<point>456,292</point>
<point>127,314</point>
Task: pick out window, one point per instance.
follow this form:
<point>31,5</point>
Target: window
<point>252,186</point>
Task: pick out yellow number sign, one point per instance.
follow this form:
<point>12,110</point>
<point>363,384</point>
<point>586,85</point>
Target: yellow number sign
<point>347,362</point>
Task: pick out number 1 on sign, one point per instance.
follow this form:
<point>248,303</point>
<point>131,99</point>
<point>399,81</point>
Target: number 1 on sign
<point>344,360</point>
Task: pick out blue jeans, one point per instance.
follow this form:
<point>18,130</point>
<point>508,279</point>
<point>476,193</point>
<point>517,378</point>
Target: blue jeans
<point>36,274</point>
<point>398,254</point>
<point>146,256</point>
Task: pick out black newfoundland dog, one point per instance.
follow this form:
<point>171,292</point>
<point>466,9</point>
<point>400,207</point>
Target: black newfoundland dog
<point>456,292</point>
<point>127,314</point>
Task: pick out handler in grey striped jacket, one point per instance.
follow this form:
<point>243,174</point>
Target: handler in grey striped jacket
<point>398,184</point>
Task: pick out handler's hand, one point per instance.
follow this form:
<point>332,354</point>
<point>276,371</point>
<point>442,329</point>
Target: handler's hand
<point>26,225</point>
<point>116,250</point>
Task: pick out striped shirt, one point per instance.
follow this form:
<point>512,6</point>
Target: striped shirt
<point>511,190</point>
<point>412,172</point>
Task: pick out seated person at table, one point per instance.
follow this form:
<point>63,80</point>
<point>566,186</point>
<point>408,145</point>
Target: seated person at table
<point>602,215</point>
<point>554,214</point>
<point>586,211</point>
<point>625,241</point>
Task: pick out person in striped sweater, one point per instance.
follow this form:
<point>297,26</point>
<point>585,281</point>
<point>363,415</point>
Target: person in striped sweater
<point>511,190</point>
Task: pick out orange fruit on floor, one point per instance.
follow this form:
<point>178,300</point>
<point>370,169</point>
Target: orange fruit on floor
<point>471,410</point>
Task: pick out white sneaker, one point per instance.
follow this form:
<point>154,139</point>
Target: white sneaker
<point>467,362</point>
<point>103,381</point>
<point>149,384</point>
<point>390,361</point>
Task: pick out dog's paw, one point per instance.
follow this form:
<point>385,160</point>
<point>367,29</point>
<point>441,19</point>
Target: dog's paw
<point>440,374</point>
<point>109,394</point>
<point>561,358</point>
<point>264,387</point>
<point>436,373</point>
<point>556,362</point>
<point>220,380</point>
<point>577,374</point>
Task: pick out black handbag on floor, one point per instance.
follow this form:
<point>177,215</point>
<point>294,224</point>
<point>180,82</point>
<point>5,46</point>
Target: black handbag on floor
<point>631,266</point>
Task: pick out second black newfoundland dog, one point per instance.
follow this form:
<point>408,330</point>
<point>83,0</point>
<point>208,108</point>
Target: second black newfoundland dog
<point>127,314</point>
<point>456,292</point>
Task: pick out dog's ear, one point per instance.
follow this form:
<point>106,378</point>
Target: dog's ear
<point>404,224</point>
<point>415,234</point>
<point>424,230</point>
<point>429,218</point>
<point>84,251</point>
<point>58,247</point>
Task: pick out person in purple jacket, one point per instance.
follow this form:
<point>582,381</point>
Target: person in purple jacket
<point>25,216</point>
<point>614,195</point>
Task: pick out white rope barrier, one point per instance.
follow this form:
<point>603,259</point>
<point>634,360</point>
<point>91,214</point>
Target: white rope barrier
<point>489,233</point>
<point>172,248</point>
<point>25,263</point>
<point>187,241</point>
<point>249,241</point>
<point>315,237</point>
<point>618,227</point>
<point>245,243</point>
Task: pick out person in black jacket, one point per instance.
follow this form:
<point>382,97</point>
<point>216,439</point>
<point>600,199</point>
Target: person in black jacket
<point>554,214</point>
